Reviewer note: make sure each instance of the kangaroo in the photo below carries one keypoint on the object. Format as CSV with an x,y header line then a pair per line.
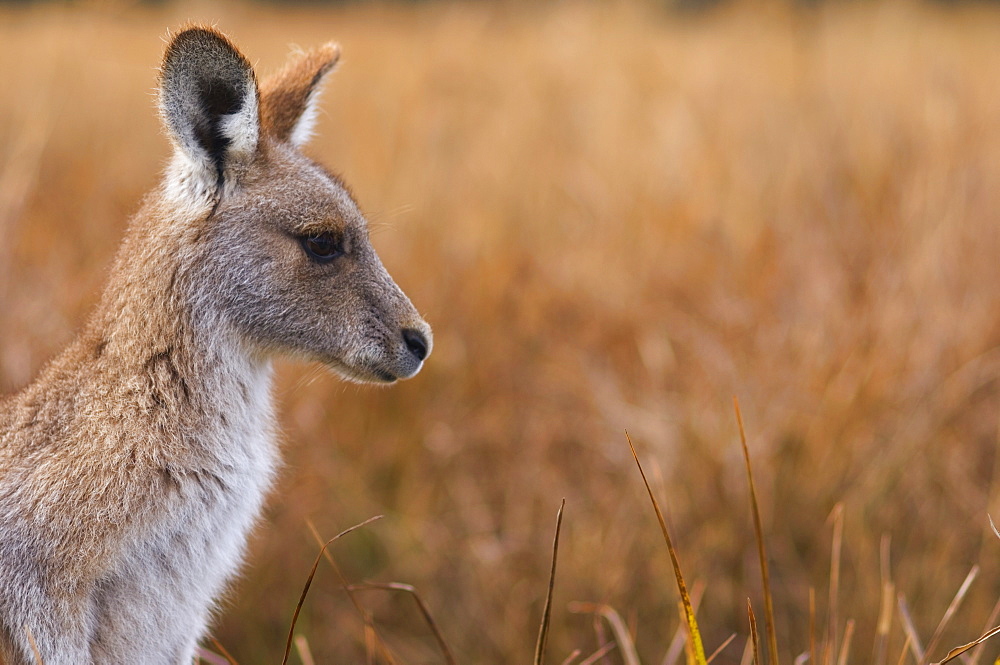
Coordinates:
x,y
133,468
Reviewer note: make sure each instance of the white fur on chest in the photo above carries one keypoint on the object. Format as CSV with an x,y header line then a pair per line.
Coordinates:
x,y
162,585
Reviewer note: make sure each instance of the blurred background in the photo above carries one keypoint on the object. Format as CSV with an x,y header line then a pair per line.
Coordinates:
x,y
616,215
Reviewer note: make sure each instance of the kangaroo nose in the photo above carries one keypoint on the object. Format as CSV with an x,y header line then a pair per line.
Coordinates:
x,y
415,342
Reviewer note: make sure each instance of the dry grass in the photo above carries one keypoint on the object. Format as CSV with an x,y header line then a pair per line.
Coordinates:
x,y
613,217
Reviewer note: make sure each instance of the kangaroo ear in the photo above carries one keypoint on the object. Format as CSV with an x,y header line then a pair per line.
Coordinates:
x,y
289,98
209,101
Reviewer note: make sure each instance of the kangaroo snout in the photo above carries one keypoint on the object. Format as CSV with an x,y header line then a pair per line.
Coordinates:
x,y
395,342
403,359
416,343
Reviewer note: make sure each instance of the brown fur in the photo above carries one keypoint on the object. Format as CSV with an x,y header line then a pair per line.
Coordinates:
x,y
292,88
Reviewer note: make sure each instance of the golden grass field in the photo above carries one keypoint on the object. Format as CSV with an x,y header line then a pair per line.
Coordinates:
x,y
615,217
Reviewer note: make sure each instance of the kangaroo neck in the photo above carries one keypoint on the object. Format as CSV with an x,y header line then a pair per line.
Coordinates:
x,y
176,364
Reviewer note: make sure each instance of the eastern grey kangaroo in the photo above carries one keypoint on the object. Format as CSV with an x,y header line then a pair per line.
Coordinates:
x,y
133,468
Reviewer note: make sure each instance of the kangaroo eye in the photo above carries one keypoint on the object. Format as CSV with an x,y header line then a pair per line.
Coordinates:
x,y
322,248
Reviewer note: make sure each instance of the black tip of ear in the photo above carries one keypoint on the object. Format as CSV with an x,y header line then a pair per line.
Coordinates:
x,y
203,78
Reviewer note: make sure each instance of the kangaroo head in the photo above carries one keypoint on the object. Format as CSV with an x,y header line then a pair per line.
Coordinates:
x,y
278,248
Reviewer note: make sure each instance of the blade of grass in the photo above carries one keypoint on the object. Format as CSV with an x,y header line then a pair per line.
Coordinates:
x,y
753,634
958,651
697,647
772,639
837,517
812,626
312,574
680,635
633,623
909,629
721,647
373,640
209,657
629,655
978,651
600,653
424,611
225,654
602,638
747,657
572,657
906,648
689,656
884,625
543,630
950,612
845,648
302,647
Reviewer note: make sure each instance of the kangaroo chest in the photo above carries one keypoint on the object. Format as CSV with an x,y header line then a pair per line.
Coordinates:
x,y
161,585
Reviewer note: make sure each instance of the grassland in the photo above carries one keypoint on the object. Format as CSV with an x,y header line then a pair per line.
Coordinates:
x,y
614,217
